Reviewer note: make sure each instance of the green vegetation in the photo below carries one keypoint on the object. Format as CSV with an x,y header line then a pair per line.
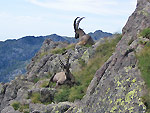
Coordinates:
x,y
21,107
144,66
62,94
70,46
16,105
84,77
36,79
61,50
82,62
145,33
58,50
43,54
35,98
44,84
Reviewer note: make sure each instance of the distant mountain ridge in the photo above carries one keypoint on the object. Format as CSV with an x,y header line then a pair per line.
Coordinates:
x,y
16,53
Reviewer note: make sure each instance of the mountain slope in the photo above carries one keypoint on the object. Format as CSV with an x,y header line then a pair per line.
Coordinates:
x,y
117,87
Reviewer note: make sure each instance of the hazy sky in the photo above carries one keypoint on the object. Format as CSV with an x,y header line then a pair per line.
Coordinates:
x,y
20,18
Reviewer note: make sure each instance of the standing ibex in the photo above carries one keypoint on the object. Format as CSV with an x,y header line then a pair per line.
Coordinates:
x,y
63,77
79,33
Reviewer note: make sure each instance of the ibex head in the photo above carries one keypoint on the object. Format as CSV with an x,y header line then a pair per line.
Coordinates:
x,y
78,31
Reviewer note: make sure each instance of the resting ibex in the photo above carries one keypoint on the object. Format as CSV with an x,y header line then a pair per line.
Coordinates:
x,y
63,77
79,33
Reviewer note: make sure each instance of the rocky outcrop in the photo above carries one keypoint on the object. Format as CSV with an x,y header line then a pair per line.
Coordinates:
x,y
19,92
46,62
117,86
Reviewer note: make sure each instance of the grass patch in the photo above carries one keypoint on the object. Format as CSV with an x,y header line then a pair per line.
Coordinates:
x,y
58,50
20,107
35,98
62,50
43,54
84,77
145,33
144,66
70,46
44,84
62,94
36,80
82,62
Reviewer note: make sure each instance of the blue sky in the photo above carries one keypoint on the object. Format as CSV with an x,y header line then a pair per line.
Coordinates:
x,y
20,18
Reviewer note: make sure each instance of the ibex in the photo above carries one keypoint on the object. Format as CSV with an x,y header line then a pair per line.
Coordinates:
x,y
79,33
63,77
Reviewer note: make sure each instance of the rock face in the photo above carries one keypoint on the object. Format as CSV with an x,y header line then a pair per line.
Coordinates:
x,y
117,85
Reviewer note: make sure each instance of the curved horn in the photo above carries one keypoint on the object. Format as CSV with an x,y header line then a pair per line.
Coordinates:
x,y
75,23
79,22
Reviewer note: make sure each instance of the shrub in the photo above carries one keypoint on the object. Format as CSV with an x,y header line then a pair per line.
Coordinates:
x,y
24,107
145,33
16,105
76,92
62,94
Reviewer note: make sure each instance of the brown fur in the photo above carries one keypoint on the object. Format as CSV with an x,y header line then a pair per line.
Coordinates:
x,y
79,33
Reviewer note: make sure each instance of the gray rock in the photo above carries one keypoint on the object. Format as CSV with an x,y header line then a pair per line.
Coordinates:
x,y
47,95
9,109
